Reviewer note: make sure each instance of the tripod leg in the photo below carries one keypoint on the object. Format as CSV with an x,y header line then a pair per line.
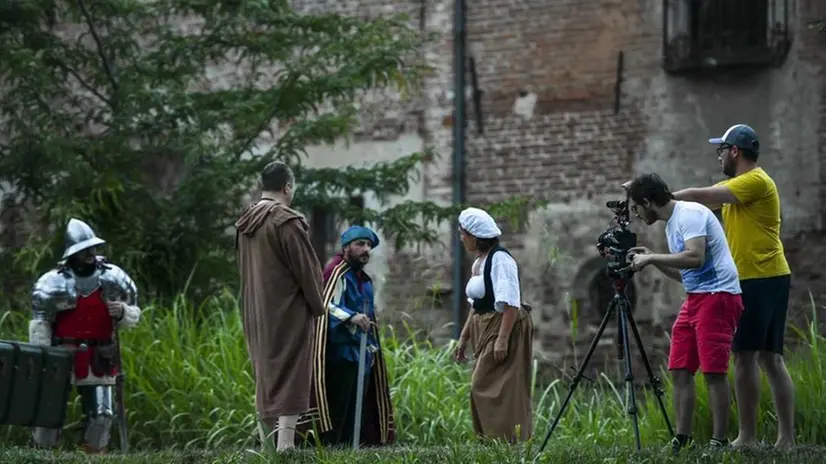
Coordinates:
x,y
620,341
653,379
631,397
578,375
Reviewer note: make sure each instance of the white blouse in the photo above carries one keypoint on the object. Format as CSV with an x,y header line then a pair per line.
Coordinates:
x,y
505,278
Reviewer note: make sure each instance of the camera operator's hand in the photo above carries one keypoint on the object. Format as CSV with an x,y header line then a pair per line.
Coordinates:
x,y
639,251
639,257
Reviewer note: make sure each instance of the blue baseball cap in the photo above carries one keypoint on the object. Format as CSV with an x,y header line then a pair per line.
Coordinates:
x,y
741,136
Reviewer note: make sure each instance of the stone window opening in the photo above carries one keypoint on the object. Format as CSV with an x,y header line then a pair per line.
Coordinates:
x,y
600,294
324,230
710,34
593,291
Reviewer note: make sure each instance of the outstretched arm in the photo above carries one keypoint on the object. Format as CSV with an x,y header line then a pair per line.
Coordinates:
x,y
741,189
713,197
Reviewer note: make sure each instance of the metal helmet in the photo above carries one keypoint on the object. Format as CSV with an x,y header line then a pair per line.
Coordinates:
x,y
79,236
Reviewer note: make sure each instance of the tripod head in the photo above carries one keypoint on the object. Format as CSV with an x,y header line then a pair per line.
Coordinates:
x,y
620,283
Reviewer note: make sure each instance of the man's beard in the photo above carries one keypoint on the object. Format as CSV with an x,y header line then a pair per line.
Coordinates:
x,y
729,169
82,268
355,262
649,216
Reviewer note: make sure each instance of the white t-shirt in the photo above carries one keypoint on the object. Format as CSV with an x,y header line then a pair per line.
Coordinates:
x,y
504,275
719,273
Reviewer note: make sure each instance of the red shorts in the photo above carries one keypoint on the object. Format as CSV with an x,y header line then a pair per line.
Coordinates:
x,y
702,334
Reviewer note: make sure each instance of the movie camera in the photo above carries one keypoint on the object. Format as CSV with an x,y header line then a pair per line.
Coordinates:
x,y
614,243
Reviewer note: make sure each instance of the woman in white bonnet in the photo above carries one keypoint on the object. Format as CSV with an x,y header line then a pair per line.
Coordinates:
x,y
500,331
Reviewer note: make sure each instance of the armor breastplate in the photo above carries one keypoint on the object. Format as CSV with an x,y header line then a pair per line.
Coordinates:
x,y
59,289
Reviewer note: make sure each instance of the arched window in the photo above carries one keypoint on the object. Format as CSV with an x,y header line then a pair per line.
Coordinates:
x,y
601,292
593,291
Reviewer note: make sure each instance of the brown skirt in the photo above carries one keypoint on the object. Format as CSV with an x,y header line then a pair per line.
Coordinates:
x,y
500,394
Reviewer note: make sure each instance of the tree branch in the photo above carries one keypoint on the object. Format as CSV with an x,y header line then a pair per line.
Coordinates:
x,y
82,82
267,121
107,66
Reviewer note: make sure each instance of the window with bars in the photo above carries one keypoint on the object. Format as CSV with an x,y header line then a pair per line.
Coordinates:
x,y
703,34
326,227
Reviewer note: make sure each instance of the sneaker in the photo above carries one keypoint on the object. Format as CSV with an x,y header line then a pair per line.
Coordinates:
x,y
716,446
679,442
714,443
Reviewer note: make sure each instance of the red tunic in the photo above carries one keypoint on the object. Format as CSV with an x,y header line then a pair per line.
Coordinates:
x,y
90,320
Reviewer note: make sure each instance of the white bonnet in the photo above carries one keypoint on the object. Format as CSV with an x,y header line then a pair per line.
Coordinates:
x,y
479,223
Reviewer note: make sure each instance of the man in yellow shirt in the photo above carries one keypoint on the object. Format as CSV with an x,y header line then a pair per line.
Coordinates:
x,y
751,218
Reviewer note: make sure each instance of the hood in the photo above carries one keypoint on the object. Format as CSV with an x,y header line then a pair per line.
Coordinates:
x,y
266,210
328,269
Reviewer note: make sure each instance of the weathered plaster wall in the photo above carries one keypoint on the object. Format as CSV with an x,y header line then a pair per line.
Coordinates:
x,y
548,74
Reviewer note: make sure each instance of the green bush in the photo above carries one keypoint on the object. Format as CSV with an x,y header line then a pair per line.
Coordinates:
x,y
189,387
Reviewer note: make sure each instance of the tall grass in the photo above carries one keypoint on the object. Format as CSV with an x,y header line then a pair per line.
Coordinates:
x,y
189,386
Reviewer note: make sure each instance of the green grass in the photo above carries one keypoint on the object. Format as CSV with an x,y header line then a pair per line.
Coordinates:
x,y
189,393
494,454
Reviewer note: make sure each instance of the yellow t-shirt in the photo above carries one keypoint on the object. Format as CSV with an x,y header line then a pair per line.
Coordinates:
x,y
753,226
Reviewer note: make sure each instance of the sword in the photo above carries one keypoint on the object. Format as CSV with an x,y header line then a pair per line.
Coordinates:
x,y
360,391
121,413
360,386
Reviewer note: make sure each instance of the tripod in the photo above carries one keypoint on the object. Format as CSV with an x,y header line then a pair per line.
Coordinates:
x,y
619,304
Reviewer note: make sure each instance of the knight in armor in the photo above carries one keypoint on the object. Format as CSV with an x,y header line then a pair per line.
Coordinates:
x,y
80,305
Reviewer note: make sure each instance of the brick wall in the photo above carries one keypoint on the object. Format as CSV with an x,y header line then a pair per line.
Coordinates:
x,y
555,156
559,60
548,72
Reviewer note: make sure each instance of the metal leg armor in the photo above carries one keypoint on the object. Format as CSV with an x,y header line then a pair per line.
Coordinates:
x,y
46,438
99,413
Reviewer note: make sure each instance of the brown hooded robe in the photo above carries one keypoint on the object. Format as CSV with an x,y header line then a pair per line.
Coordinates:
x,y
281,297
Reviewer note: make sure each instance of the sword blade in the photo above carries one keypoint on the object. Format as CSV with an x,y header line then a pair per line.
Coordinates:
x,y
360,391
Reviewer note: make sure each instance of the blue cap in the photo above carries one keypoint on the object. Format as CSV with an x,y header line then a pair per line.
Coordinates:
x,y
359,233
741,136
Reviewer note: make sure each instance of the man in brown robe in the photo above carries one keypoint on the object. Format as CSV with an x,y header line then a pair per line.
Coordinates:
x,y
281,288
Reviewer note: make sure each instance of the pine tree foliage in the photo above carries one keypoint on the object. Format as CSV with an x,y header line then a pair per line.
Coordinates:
x,y
108,115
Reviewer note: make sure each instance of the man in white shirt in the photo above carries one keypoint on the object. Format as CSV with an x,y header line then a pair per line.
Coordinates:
x,y
702,335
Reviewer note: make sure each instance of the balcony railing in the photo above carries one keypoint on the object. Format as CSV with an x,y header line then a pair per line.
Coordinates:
x,y
701,34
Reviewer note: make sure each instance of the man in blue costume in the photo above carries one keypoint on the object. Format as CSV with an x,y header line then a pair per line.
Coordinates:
x,y
348,297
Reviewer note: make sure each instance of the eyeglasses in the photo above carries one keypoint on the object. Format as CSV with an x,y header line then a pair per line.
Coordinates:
x,y
722,148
